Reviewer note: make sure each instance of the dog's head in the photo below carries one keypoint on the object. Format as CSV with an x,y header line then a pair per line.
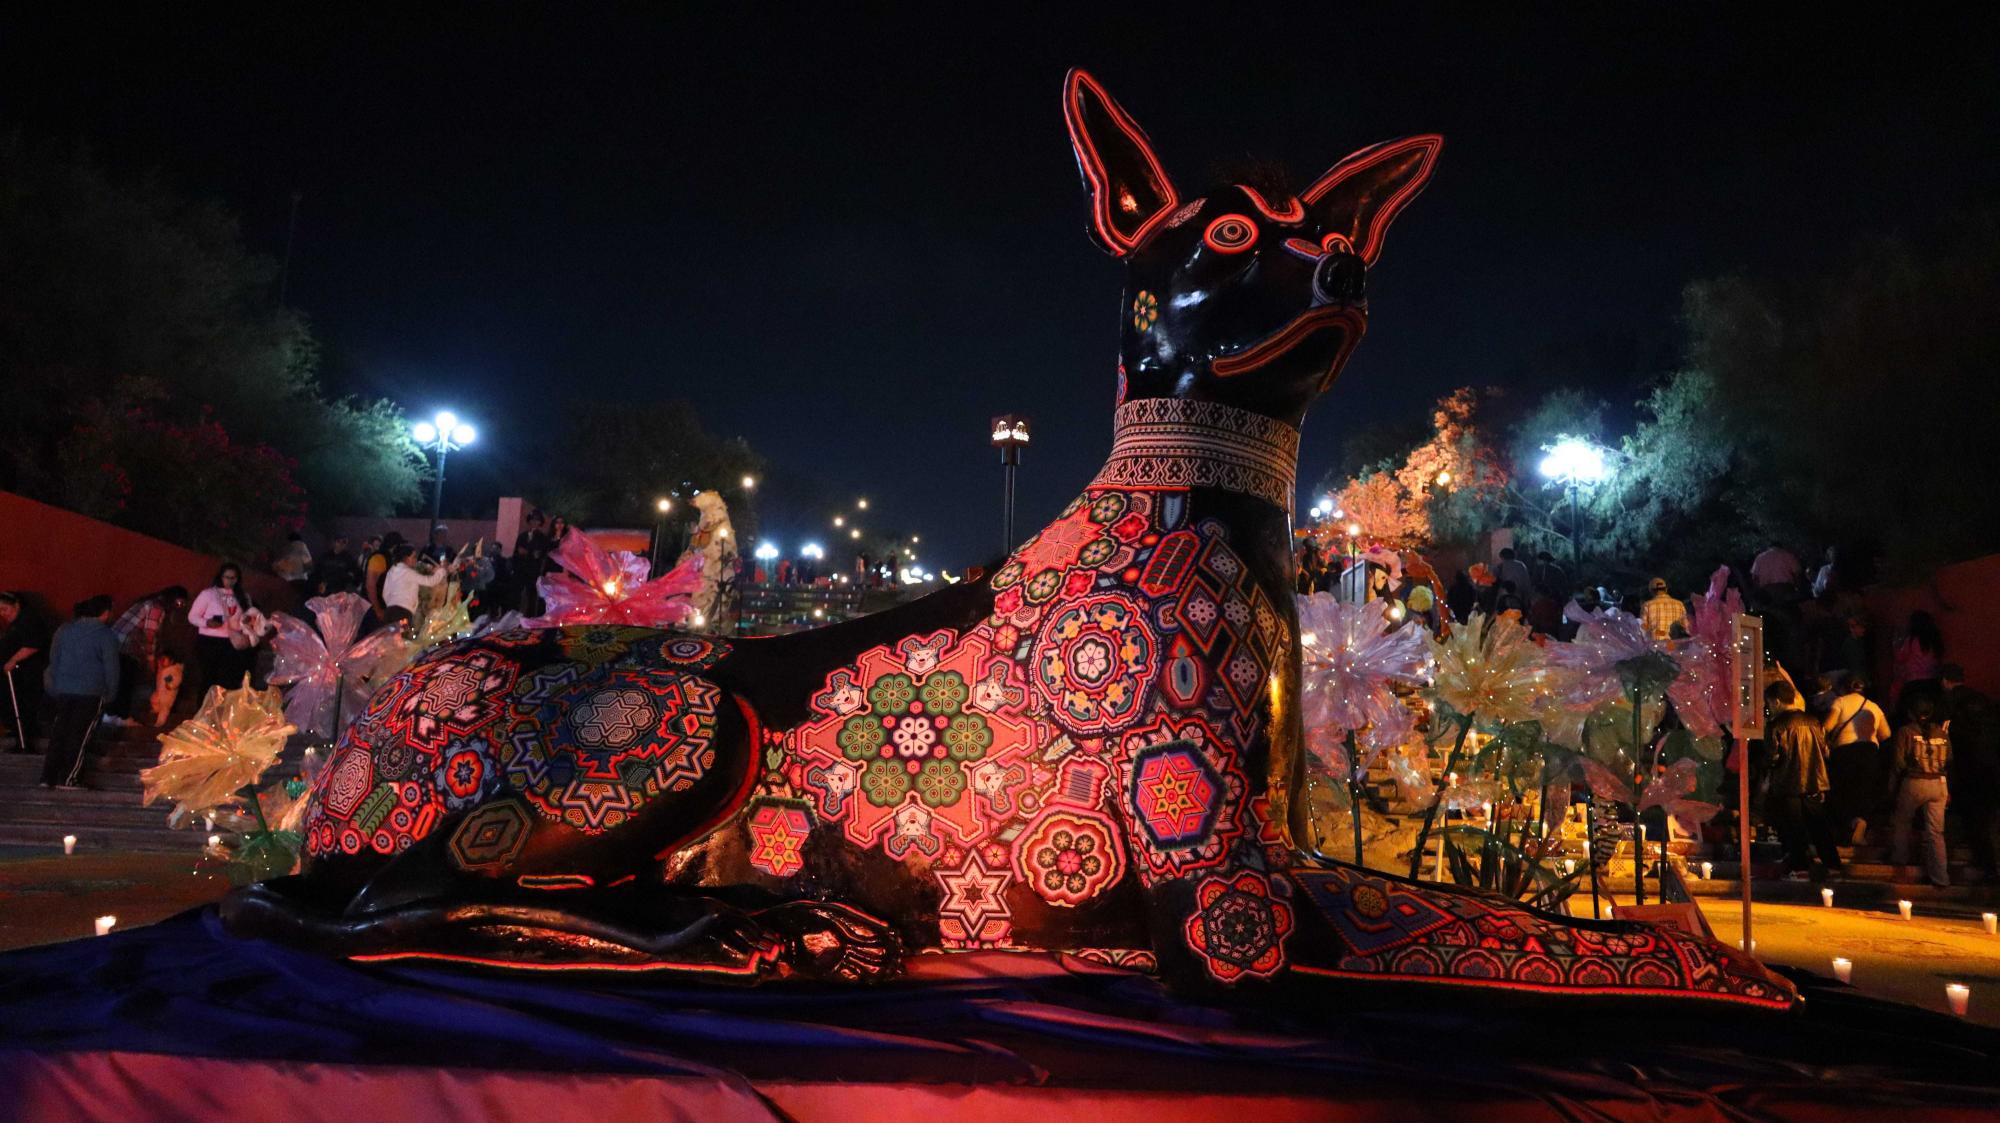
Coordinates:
x,y
1231,296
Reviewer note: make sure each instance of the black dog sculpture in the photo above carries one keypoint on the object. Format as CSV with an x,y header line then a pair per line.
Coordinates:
x,y
1094,751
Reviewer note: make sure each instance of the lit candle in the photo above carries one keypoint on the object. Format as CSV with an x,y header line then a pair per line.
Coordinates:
x,y
215,840
1707,870
1843,969
69,847
1958,994
208,822
1826,897
1903,907
1753,946
1991,921
105,924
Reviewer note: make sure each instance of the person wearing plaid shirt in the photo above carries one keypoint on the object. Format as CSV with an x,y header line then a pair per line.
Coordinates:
x,y
1662,613
138,633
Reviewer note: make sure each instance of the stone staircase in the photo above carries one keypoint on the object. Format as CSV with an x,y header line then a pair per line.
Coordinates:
x,y
110,816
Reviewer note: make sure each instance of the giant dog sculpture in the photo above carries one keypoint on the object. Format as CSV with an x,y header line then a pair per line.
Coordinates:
x,y
1096,751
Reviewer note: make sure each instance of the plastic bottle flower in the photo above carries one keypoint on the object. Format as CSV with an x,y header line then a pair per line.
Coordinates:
x,y
316,665
207,760
1608,647
611,588
1488,669
1351,658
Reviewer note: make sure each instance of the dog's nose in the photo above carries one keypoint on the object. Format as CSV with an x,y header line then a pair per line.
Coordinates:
x,y
1339,278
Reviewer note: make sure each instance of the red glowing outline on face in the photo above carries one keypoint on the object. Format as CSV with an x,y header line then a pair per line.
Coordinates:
x,y
1101,192
1219,245
1271,347
1296,212
1376,221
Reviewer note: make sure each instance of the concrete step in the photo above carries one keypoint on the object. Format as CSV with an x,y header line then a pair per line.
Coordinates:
x,y
154,840
1876,895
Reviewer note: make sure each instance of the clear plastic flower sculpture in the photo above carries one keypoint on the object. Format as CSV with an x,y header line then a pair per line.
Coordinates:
x,y
1701,693
1488,669
1605,640
1351,657
207,760
611,588
449,620
316,664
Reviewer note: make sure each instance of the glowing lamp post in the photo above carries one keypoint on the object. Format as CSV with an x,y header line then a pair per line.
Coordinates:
x,y
1573,462
443,434
1010,436
664,506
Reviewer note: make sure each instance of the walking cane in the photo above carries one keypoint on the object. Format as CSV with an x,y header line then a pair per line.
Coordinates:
x,y
14,697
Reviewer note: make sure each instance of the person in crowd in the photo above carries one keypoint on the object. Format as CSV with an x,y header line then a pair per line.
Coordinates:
x,y
1798,783
1922,762
1461,597
1916,656
1974,728
558,530
138,631
1826,579
406,580
336,571
293,565
83,679
1857,736
485,580
217,615
1309,567
438,549
24,648
1776,572
1512,568
1664,615
1548,576
377,569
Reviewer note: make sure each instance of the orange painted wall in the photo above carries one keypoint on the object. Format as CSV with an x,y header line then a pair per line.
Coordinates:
x,y
64,557
1965,598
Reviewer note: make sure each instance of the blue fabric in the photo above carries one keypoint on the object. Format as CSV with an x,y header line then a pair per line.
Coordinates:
x,y
83,660
186,987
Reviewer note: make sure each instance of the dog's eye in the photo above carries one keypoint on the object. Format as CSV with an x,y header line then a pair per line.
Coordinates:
x,y
1232,233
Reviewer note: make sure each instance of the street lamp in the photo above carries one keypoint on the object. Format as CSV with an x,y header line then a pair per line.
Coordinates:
x,y
862,503
749,483
1573,462
443,434
766,551
840,520
1010,436
664,506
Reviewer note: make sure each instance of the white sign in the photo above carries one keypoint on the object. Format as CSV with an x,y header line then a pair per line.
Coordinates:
x,y
1746,659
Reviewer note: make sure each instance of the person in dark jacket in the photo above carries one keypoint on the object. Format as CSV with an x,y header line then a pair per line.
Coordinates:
x,y
83,679
1922,761
1799,784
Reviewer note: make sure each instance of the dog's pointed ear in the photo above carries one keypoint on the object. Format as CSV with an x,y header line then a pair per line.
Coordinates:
x,y
1358,197
1129,191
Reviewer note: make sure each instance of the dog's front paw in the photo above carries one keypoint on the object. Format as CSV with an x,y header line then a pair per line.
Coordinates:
x,y
833,942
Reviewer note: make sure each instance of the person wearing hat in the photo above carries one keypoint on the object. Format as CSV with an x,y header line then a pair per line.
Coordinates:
x,y
1662,614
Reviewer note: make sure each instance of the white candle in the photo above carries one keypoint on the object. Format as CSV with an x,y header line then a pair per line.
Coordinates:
x,y
1826,897
215,840
1903,907
208,822
1707,870
104,925
1991,921
1753,946
1843,969
69,844
1958,994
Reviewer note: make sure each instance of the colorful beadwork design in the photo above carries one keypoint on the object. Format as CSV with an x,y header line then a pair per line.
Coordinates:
x,y
589,746
1070,856
491,836
778,833
1145,310
1238,927
1094,663
1389,929
974,911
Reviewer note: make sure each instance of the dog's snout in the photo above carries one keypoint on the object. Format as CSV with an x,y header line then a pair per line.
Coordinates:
x,y
1340,277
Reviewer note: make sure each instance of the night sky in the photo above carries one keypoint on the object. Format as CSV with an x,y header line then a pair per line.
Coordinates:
x,y
854,241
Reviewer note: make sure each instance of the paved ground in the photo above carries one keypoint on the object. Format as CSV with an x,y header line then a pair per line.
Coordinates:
x,y
46,897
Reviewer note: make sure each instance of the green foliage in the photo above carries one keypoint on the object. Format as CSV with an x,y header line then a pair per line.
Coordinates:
x,y
123,304
611,461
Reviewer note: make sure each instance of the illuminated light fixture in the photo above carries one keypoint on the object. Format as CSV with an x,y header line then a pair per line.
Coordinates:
x,y
1307,639
1444,479
699,619
1316,511
862,503
1397,611
442,434
855,533
840,520
722,532
812,550
914,540
611,587
820,613
1353,530
766,551
749,483
665,505
1010,429
1575,460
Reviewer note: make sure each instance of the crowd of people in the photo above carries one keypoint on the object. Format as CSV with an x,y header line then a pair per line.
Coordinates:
x,y
1847,759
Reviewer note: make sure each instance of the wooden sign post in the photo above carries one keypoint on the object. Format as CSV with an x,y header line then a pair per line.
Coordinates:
x,y
1746,721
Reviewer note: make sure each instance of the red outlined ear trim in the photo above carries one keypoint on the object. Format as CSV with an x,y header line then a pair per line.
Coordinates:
x,y
1368,228
1294,213
1105,196
1232,233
